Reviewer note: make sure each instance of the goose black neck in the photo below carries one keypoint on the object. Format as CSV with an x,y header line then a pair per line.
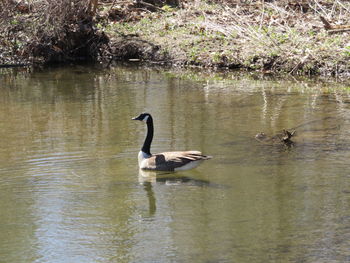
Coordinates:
x,y
146,148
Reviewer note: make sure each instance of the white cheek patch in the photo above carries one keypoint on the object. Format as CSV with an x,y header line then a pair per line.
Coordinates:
x,y
145,118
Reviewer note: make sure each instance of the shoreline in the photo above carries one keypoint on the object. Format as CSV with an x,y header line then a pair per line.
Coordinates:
x,y
269,37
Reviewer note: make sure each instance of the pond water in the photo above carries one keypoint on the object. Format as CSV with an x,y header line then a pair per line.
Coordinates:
x,y
71,191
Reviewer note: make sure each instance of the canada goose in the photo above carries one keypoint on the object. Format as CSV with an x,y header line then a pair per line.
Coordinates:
x,y
166,161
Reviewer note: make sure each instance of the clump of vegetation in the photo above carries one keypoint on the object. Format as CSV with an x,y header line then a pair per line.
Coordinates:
x,y
49,31
66,33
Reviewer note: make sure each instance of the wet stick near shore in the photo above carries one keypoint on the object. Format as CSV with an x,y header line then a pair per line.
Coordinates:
x,y
285,36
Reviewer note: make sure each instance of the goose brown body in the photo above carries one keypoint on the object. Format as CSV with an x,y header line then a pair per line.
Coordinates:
x,y
166,161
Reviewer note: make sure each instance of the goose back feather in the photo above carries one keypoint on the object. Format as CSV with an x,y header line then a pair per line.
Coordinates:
x,y
173,161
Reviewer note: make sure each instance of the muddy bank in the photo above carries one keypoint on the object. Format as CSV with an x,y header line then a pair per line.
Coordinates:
x,y
288,36
135,49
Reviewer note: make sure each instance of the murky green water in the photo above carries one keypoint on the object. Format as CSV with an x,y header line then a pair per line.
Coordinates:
x,y
70,189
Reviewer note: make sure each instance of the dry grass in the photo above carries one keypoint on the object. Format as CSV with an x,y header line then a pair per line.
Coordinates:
x,y
270,36
48,32
284,36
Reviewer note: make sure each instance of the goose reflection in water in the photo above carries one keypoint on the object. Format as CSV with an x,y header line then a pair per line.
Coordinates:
x,y
170,178
150,178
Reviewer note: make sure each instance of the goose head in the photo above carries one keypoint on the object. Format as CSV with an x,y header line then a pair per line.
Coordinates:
x,y
142,117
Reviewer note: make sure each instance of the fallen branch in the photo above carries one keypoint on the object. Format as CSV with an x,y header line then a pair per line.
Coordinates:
x,y
149,5
333,29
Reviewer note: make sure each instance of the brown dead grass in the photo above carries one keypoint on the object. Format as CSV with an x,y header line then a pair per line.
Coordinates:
x,y
48,32
271,36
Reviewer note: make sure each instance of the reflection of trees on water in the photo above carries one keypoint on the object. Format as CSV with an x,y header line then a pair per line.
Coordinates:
x,y
315,102
320,119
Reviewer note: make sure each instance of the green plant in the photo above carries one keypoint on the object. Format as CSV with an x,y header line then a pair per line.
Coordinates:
x,y
347,51
14,22
168,8
216,57
194,53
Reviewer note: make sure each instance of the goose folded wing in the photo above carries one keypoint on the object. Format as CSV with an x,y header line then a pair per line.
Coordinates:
x,y
172,160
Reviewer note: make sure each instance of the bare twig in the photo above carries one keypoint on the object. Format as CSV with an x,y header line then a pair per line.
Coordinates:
x,y
340,30
326,24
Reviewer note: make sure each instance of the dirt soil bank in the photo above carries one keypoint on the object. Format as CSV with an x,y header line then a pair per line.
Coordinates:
x,y
296,37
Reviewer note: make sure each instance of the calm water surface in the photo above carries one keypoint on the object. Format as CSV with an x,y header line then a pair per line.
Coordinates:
x,y
70,189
